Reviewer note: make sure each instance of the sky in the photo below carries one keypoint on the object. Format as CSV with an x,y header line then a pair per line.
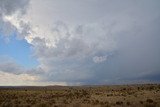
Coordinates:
x,y
79,42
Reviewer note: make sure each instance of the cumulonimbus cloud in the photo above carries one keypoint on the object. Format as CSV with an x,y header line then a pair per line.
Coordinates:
x,y
94,41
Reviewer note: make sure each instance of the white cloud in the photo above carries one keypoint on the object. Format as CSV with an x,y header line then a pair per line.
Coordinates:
x,y
99,59
10,14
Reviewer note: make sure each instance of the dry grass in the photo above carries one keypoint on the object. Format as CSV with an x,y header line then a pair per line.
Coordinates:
x,y
86,96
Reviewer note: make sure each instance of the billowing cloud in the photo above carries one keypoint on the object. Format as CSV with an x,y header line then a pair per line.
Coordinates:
x,y
91,41
11,12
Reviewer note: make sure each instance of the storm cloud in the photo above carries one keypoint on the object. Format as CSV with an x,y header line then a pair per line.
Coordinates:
x,y
90,41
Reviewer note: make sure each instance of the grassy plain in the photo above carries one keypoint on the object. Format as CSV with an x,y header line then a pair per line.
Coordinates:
x,y
147,95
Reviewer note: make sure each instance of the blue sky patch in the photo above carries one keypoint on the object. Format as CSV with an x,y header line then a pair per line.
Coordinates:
x,y
19,50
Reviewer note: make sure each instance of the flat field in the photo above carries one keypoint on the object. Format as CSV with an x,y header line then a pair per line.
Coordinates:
x,y
146,95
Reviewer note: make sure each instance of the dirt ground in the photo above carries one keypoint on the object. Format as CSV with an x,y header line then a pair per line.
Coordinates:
x,y
147,95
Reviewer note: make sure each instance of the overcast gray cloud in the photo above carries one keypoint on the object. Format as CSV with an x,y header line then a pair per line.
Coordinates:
x,y
9,7
93,41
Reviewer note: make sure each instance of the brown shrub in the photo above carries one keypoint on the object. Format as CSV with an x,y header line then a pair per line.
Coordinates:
x,y
128,103
119,102
141,102
149,100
